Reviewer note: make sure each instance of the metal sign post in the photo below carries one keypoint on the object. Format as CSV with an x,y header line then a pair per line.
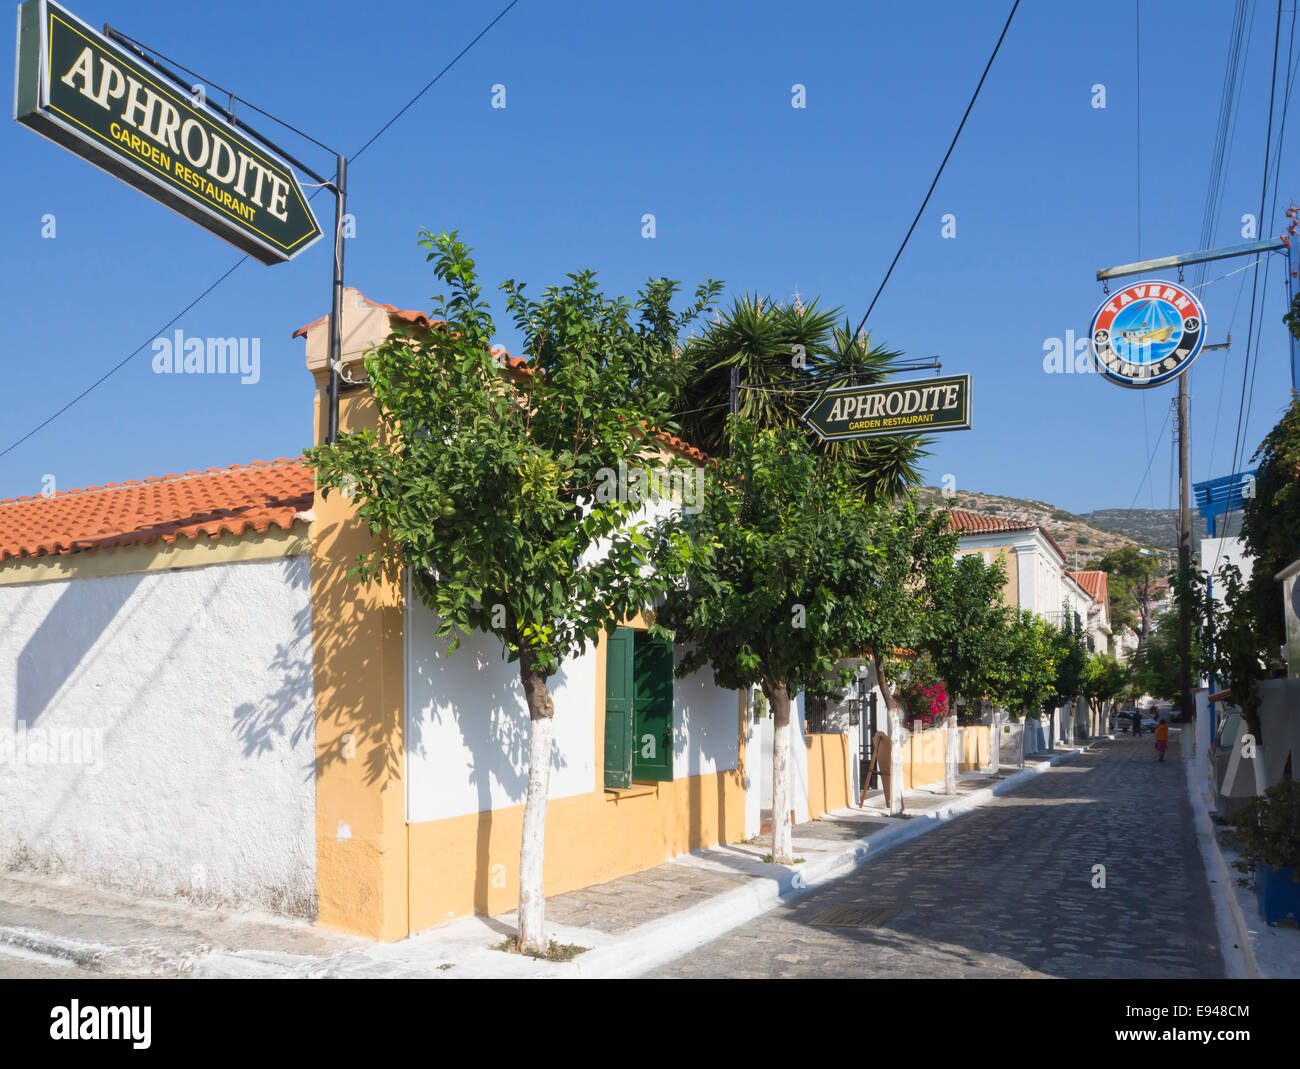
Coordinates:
x,y
1143,362
336,303
102,98
101,102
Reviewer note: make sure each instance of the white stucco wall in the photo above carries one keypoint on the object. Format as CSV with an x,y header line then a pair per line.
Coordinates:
x,y
1217,552
467,720
467,725
157,732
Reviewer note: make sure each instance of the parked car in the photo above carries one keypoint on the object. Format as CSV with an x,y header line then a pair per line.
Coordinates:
x,y
1123,721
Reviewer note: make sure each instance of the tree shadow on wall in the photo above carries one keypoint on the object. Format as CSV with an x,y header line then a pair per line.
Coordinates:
x,y
491,718
288,710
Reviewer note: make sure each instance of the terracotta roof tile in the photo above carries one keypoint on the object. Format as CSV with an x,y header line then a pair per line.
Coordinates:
x,y
679,444
162,508
1094,583
975,523
418,319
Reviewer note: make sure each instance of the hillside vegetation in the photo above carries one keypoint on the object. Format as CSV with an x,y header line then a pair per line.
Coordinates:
x,y
1084,538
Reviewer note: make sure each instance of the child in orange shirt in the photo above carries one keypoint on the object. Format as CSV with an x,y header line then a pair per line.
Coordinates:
x,y
1162,737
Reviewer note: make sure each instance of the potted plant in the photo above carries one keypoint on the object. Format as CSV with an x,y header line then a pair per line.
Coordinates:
x,y
1267,832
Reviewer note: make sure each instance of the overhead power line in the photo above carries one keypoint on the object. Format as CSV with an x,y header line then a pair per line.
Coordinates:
x,y
974,96
238,263
1238,440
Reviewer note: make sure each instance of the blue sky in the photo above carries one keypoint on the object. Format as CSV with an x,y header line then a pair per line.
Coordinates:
x,y
683,110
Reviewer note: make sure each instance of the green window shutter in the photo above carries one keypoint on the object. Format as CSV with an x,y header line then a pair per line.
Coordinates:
x,y
618,708
652,709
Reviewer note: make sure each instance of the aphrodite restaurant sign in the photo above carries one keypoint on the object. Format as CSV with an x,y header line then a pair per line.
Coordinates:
x,y
1147,333
844,412
92,97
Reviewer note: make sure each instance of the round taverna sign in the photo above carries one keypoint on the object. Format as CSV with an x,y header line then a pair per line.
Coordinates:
x,y
1147,333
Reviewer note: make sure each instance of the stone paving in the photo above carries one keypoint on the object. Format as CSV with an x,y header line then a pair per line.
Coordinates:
x,y
1007,891
619,905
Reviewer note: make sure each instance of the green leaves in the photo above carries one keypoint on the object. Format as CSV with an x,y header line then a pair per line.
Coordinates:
x,y
771,343
784,592
1104,678
481,482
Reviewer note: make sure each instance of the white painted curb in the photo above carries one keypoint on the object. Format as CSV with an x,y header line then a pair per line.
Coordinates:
x,y
1234,933
132,960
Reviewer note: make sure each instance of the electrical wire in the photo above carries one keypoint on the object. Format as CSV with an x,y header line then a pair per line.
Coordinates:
x,y
1223,376
1150,461
126,359
238,263
407,106
960,126
1237,438
1225,133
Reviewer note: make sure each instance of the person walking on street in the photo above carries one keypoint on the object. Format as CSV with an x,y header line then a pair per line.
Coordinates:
x,y
1162,737
1137,721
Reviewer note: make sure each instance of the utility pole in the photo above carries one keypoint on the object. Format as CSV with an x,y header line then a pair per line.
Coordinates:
x,y
1290,246
1184,556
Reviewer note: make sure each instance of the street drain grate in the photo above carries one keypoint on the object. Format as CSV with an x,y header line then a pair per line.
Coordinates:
x,y
854,916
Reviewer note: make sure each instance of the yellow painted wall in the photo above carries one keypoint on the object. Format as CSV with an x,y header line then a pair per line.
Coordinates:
x,y
160,556
829,784
380,877
925,752
973,748
923,756
470,863
361,843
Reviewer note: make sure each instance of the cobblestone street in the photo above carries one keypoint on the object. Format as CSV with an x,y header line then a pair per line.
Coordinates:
x,y
1007,891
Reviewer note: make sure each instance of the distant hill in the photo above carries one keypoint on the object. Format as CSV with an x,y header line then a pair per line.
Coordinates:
x,y
1083,538
1157,528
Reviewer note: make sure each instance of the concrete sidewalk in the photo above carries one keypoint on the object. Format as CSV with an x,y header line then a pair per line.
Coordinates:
x,y
628,925
58,922
1252,949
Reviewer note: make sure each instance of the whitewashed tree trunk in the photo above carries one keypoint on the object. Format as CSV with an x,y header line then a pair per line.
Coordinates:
x,y
995,740
950,738
782,848
896,762
532,896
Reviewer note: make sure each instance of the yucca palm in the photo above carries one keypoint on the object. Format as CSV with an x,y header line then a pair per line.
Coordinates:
x,y
771,342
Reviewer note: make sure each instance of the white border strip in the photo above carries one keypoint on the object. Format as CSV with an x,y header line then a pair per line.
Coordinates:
x,y
1234,935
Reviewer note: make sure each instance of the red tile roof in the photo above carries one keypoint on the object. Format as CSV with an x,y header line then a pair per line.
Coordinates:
x,y
214,502
681,445
417,319
975,523
1093,583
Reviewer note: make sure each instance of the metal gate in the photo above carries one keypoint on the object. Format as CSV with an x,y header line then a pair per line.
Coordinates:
x,y
866,736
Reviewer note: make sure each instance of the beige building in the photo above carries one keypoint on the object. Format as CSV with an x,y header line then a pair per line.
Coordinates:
x,y
1037,578
1101,636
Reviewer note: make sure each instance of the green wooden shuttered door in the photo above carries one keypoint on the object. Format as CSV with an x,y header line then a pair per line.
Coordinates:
x,y
618,708
652,719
